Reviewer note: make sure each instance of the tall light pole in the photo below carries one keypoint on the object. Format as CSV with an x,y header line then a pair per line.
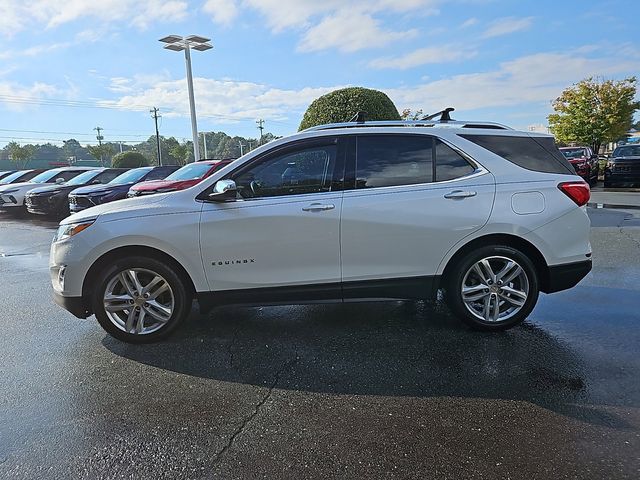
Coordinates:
x,y
178,43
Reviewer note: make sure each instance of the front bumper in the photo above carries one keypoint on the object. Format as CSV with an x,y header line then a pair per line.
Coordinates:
x,y
75,305
563,277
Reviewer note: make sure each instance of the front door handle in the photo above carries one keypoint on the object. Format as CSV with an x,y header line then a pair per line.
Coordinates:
x,y
460,194
318,207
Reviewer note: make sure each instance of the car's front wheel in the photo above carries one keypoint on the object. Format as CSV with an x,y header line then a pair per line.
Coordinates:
x,y
492,288
140,300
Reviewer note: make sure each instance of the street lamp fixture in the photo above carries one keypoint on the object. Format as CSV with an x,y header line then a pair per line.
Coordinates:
x,y
178,43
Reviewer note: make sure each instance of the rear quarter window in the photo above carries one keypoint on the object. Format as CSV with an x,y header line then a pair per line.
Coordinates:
x,y
539,154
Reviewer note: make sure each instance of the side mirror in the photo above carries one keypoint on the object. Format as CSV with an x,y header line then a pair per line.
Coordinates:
x,y
223,191
59,181
96,182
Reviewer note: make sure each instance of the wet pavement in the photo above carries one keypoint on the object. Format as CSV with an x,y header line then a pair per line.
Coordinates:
x,y
372,390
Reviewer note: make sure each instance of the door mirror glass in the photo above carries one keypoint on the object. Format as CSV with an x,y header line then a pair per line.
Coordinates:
x,y
223,191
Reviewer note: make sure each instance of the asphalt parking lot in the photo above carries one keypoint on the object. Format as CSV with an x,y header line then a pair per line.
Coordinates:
x,y
373,390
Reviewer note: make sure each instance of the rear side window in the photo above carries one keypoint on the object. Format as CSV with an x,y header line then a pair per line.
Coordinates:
x,y
158,174
68,175
106,177
391,160
533,153
450,164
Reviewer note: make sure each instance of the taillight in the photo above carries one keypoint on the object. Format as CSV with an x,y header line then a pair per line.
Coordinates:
x,y
579,192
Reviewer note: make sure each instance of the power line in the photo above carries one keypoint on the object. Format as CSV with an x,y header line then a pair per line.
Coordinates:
x,y
53,102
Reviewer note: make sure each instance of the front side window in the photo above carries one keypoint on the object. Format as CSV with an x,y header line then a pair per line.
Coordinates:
x,y
308,170
393,160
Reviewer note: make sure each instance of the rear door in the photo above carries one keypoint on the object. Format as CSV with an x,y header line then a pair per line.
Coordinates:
x,y
411,198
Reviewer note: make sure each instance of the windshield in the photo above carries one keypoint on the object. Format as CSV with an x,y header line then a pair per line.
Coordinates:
x,y
12,177
572,153
44,177
83,178
627,151
192,171
132,176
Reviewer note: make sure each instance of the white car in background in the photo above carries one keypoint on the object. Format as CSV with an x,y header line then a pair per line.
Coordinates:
x,y
343,212
12,195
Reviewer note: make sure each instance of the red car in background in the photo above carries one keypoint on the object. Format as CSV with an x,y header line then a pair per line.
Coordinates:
x,y
584,161
184,177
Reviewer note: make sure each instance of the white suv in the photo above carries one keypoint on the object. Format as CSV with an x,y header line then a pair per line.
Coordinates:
x,y
354,211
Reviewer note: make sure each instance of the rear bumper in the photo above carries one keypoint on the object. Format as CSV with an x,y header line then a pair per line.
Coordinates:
x,y
74,305
563,277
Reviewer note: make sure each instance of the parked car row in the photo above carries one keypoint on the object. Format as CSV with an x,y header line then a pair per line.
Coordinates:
x,y
60,191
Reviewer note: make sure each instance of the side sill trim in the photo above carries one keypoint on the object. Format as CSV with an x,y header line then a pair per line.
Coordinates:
x,y
424,287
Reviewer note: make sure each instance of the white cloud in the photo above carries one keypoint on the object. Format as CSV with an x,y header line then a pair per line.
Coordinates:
x,y
423,56
531,79
223,12
469,23
16,15
346,26
18,97
339,31
507,25
224,100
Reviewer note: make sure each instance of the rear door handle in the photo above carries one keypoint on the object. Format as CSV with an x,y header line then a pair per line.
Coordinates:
x,y
460,194
318,207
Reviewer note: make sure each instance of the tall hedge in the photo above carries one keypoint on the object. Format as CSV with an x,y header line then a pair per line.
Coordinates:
x,y
129,159
341,105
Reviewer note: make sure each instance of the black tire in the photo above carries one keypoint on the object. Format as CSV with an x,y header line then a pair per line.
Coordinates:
x,y
456,276
182,298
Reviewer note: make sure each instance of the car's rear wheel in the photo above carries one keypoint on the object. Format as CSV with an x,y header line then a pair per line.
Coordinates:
x,y
492,288
140,300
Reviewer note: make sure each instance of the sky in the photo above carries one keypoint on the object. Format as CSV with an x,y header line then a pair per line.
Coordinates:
x,y
67,66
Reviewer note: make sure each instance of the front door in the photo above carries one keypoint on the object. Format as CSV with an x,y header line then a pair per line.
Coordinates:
x,y
284,228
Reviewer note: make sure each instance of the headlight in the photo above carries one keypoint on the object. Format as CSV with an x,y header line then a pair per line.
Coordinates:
x,y
68,231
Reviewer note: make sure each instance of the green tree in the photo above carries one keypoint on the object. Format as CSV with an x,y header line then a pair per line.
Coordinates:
x,y
129,159
19,154
102,153
594,112
341,105
182,152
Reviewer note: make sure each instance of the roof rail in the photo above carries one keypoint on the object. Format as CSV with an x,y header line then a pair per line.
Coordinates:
x,y
411,124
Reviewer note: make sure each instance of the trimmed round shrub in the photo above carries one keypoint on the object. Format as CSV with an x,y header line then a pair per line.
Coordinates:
x,y
341,105
129,160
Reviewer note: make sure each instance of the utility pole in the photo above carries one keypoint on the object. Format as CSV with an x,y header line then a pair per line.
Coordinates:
x,y
204,142
241,146
154,114
260,124
100,138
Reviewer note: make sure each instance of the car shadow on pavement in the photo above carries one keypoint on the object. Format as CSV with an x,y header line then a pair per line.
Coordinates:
x,y
382,348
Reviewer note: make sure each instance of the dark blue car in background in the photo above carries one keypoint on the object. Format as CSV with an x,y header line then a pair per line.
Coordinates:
x,y
116,189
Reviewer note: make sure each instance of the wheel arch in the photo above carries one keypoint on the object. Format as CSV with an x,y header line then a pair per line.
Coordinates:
x,y
128,251
526,247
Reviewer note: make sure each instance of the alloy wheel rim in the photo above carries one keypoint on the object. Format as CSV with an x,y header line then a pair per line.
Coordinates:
x,y
138,301
495,289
